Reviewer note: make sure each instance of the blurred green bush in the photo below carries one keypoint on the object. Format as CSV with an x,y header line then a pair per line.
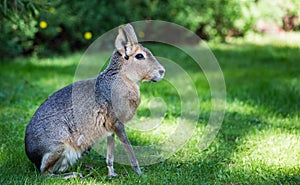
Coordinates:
x,y
47,27
18,26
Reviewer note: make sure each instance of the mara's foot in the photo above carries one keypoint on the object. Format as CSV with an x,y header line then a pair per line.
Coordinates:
x,y
112,174
70,175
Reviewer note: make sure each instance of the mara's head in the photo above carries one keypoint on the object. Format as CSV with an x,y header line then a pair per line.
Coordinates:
x,y
138,63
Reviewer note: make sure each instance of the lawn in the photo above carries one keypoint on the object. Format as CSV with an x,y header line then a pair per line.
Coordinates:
x,y
258,142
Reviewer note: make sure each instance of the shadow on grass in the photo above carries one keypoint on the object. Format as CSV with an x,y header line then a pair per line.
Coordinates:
x,y
267,76
20,81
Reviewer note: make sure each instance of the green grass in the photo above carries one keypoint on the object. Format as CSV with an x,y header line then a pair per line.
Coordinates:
x,y
258,143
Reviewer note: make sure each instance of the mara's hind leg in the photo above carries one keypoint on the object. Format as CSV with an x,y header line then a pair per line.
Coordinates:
x,y
50,160
56,162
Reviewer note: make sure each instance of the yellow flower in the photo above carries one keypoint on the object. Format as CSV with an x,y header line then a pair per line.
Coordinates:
x,y
43,24
51,9
88,35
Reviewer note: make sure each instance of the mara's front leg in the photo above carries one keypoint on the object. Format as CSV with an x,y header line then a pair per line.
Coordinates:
x,y
120,131
110,155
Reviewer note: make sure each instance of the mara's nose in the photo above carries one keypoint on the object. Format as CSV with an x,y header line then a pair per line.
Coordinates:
x,y
161,72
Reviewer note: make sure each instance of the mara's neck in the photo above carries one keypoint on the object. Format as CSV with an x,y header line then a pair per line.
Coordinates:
x,y
114,65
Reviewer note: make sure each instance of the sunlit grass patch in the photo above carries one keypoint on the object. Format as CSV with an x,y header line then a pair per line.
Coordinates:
x,y
268,156
151,135
272,148
290,39
241,107
287,123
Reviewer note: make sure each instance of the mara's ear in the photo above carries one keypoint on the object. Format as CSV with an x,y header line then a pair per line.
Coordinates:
x,y
126,40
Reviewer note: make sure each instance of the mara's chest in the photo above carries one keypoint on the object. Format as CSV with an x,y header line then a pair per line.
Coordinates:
x,y
125,102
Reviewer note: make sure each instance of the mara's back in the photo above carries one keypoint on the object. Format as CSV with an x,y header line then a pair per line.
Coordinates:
x,y
70,116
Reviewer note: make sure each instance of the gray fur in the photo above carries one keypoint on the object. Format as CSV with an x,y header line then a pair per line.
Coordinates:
x,y
74,118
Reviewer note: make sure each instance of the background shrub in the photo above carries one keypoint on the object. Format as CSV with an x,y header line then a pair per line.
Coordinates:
x,y
18,26
45,28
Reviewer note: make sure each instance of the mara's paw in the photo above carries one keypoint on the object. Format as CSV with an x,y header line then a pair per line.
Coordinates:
x,y
112,174
137,170
72,175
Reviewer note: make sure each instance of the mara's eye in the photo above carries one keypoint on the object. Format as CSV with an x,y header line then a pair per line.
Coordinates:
x,y
139,56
